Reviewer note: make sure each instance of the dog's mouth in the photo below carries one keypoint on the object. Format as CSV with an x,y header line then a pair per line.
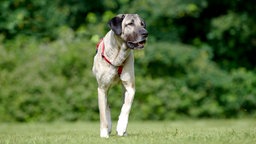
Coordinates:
x,y
137,44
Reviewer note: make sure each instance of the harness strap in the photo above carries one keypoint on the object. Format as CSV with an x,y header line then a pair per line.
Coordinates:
x,y
120,68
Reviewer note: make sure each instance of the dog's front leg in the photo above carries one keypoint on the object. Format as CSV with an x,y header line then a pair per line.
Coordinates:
x,y
105,118
124,115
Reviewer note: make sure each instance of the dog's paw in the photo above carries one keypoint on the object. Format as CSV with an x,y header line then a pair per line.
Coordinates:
x,y
104,133
121,130
121,126
121,133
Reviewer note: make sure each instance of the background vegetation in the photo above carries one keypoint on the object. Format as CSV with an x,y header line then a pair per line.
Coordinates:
x,y
199,60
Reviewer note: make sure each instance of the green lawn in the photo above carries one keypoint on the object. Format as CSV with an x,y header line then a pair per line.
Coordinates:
x,y
171,132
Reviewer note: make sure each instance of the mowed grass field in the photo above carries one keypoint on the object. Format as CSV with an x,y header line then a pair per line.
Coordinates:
x,y
241,131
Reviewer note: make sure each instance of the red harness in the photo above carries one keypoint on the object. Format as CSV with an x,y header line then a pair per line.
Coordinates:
x,y
120,68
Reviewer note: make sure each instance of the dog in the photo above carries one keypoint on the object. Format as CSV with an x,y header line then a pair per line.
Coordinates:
x,y
113,62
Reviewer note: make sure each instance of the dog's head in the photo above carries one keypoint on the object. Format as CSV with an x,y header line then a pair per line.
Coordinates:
x,y
131,28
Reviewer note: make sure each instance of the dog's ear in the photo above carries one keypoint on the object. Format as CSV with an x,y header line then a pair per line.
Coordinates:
x,y
116,24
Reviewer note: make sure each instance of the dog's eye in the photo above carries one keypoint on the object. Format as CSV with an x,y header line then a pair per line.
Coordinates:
x,y
143,24
130,24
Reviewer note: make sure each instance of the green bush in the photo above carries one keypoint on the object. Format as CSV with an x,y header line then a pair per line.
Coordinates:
x,y
48,81
180,80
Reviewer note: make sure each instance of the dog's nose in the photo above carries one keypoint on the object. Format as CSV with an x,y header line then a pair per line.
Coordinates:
x,y
144,32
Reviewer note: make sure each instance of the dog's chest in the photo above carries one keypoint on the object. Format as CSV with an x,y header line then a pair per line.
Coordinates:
x,y
112,53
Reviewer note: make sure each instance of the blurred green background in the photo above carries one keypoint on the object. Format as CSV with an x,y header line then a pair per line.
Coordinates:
x,y
199,61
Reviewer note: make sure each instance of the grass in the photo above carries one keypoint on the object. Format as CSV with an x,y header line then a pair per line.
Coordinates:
x,y
174,132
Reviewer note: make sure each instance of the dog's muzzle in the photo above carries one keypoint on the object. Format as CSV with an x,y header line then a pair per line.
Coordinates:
x,y
139,44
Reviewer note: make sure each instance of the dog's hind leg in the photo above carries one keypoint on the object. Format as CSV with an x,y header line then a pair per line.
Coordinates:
x,y
124,115
104,113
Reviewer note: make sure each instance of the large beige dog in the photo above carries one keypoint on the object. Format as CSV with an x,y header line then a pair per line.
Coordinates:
x,y
113,62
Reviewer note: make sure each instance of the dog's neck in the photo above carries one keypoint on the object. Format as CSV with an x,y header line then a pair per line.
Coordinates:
x,y
116,49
